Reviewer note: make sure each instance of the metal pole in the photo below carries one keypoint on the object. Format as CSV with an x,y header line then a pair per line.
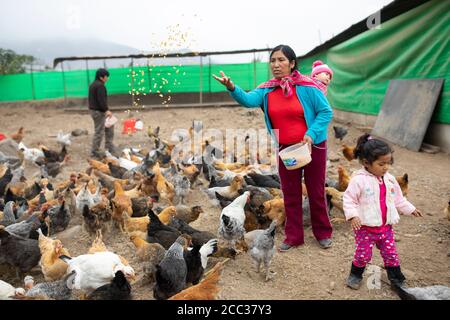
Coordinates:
x,y
64,83
132,82
33,94
254,69
201,79
104,63
209,75
149,76
87,73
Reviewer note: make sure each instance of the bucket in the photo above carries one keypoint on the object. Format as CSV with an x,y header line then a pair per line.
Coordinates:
x,y
295,156
129,126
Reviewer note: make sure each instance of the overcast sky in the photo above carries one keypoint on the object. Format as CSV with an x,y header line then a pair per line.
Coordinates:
x,y
198,25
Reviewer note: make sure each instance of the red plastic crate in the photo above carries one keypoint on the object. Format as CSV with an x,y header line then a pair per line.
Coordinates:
x,y
129,126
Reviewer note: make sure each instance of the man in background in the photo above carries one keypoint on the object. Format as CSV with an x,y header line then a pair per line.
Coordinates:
x,y
98,107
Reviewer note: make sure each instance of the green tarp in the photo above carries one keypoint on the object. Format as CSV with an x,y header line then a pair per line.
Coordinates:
x,y
414,45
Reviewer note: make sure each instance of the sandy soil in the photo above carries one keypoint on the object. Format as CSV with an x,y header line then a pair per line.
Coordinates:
x,y
307,272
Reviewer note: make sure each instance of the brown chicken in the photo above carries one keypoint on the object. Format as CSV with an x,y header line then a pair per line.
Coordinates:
x,y
135,159
336,198
165,189
187,214
251,221
52,267
274,209
148,186
48,194
100,166
348,152
276,193
344,179
18,136
167,214
191,172
136,192
98,245
230,166
207,289
135,224
121,202
147,251
403,182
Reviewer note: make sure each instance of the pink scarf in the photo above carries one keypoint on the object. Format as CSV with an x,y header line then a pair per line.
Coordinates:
x,y
296,78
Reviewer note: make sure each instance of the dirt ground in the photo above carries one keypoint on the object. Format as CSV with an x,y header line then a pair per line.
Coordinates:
x,y
307,272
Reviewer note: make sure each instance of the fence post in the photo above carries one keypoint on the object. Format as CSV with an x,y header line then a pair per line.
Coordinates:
x,y
33,94
254,69
209,75
149,77
201,79
64,83
132,82
87,73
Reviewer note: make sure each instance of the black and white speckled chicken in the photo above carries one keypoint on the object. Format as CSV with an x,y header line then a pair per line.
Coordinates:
x,y
262,247
56,290
438,292
232,220
182,186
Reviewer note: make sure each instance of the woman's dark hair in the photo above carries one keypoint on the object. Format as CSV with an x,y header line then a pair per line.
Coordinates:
x,y
101,73
368,148
288,52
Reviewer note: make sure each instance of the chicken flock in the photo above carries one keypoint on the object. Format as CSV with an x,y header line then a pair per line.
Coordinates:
x,y
142,195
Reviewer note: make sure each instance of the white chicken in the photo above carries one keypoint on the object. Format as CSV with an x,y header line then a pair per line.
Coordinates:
x,y
127,164
232,220
31,154
95,270
84,197
7,291
63,139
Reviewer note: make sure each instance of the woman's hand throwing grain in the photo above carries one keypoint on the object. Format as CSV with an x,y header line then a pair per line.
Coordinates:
x,y
226,81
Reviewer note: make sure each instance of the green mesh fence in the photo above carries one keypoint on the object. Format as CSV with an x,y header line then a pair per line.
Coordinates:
x,y
147,80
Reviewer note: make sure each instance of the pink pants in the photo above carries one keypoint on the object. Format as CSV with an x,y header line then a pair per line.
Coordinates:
x,y
365,239
291,185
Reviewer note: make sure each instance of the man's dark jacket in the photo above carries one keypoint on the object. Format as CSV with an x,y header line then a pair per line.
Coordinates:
x,y
98,96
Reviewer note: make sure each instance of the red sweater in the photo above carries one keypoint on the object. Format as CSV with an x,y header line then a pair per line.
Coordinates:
x,y
286,115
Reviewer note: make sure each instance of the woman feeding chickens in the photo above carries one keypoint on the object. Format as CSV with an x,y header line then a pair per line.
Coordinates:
x,y
295,110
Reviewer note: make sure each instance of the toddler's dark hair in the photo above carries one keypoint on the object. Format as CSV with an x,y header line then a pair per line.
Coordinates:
x,y
368,148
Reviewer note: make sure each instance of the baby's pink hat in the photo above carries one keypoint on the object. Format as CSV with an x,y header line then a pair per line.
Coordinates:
x,y
319,66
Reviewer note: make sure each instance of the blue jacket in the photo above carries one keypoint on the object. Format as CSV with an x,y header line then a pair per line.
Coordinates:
x,y
317,110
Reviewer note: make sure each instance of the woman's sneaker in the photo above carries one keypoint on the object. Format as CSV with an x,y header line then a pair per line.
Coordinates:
x,y
325,243
284,247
